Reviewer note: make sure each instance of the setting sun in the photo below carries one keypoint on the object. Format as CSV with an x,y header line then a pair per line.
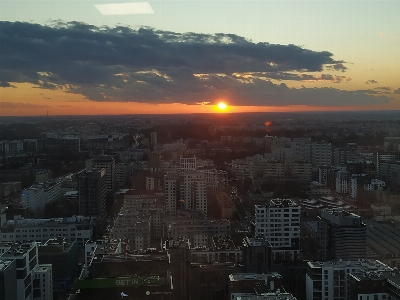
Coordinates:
x,y
222,105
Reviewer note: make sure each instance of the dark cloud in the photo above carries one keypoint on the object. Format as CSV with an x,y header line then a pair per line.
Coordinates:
x,y
148,65
6,84
371,81
337,67
292,76
383,88
397,91
18,105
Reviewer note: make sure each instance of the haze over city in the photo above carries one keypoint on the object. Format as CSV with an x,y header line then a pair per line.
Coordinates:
x,y
164,57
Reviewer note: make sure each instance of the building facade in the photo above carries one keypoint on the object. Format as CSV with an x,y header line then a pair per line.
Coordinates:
x,y
278,221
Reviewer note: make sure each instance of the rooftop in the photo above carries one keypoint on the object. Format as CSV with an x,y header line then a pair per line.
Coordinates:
x,y
362,264
253,276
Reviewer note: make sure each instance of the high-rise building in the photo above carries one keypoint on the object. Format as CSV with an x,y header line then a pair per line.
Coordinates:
x,y
278,221
153,138
121,175
185,190
341,235
92,193
106,162
193,190
172,193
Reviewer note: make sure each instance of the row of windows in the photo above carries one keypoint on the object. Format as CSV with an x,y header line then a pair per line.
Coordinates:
x,y
44,230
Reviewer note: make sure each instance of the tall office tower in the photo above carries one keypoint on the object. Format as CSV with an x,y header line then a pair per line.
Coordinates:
x,y
153,138
188,163
341,235
172,193
122,171
92,193
106,162
278,221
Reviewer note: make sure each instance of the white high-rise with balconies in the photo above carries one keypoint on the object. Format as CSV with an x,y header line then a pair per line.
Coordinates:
x,y
278,221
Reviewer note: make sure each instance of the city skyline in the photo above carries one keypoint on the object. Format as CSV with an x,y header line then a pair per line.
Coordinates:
x,y
72,58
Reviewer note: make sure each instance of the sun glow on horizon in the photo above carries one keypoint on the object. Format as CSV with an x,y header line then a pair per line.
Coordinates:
x,y
222,106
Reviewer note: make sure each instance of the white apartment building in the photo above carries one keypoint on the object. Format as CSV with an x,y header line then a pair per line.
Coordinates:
x,y
279,222
188,163
79,229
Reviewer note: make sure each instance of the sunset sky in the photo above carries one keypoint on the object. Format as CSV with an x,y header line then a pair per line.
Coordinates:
x,y
129,57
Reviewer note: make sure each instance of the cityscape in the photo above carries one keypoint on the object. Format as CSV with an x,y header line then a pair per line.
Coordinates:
x,y
199,150
203,206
